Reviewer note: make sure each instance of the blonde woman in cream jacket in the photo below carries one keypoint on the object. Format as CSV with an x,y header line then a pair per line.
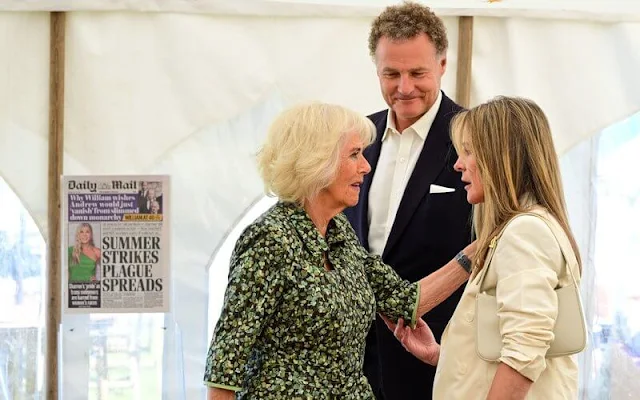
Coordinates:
x,y
507,158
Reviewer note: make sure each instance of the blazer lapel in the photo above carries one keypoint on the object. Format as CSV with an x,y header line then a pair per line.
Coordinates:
x,y
430,162
372,154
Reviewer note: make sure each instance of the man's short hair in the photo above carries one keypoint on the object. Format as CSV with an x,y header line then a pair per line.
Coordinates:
x,y
406,21
301,154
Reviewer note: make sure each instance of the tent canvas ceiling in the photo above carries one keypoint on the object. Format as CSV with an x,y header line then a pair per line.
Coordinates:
x,y
602,10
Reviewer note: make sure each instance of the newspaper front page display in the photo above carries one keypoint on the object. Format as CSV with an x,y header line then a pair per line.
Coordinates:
x,y
115,234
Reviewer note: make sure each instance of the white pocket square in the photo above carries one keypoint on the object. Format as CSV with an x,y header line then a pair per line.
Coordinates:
x,y
440,189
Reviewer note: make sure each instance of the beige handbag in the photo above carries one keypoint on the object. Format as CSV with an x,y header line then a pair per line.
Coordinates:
x,y
570,332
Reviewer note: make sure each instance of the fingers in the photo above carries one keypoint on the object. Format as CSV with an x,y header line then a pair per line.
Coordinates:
x,y
405,343
402,332
399,331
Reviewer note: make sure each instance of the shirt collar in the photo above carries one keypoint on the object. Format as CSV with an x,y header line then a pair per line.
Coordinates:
x,y
311,237
422,126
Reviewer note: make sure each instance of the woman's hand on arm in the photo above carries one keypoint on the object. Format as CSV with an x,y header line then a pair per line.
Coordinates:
x,y
399,298
438,286
419,341
220,394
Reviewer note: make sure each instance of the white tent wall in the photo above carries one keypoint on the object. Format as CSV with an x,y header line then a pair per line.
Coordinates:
x,y
191,95
584,75
24,82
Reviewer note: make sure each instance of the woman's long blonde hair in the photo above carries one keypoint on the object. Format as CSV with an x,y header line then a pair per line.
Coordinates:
x,y
77,248
517,162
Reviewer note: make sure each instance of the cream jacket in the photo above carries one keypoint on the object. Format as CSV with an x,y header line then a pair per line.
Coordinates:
x,y
526,268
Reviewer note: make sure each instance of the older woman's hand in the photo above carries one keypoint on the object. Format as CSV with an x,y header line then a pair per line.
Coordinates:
x,y
419,341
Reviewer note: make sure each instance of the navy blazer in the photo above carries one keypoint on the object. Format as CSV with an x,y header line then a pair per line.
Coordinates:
x,y
429,229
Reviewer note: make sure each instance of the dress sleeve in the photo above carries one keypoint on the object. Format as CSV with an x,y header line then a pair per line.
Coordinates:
x,y
395,297
254,289
527,263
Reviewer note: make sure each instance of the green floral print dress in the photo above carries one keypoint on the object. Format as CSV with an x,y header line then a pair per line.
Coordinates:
x,y
291,329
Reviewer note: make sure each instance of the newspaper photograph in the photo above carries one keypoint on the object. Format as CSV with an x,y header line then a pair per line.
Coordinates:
x,y
115,235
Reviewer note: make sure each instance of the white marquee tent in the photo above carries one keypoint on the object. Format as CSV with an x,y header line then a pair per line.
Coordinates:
x,y
187,88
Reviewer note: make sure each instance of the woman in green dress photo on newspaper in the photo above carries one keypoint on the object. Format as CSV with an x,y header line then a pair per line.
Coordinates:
x,y
84,256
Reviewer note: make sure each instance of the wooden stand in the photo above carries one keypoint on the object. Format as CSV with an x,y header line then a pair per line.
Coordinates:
x,y
465,48
56,151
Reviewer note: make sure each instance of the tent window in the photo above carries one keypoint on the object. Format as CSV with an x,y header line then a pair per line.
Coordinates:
x,y
125,357
22,285
219,269
615,357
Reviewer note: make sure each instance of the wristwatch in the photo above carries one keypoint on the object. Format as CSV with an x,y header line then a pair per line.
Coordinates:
x,y
464,261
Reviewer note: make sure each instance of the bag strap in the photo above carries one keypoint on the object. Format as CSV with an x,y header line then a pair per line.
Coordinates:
x,y
492,249
563,248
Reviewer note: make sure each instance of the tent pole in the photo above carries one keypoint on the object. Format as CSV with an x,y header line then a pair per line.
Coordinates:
x,y
465,46
56,126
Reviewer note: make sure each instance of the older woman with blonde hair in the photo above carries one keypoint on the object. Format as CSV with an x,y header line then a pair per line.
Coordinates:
x,y
302,292
526,251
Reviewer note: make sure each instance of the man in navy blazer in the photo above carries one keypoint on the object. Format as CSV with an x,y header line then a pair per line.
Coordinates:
x,y
412,209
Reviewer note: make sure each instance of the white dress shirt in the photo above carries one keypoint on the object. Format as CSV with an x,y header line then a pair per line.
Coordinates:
x,y
398,157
